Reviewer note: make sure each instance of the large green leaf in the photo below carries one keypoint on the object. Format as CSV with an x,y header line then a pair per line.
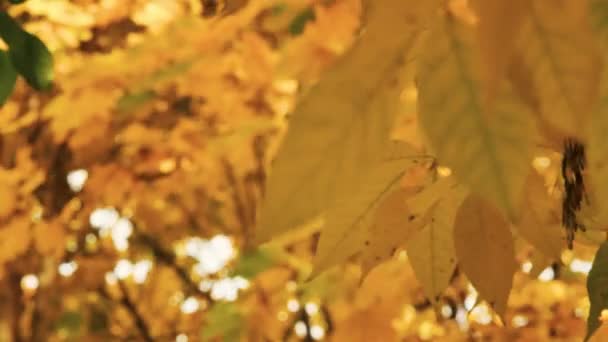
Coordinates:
x,y
28,53
8,76
597,287
342,125
487,145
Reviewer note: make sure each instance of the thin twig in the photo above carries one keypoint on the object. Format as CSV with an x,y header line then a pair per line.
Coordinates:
x,y
167,258
139,320
239,204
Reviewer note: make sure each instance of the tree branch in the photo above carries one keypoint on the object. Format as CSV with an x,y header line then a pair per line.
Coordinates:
x,y
139,320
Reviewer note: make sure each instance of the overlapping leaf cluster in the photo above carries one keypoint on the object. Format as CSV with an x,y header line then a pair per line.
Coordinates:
x,y
498,83
173,140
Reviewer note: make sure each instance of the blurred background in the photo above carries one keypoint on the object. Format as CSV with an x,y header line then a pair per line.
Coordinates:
x,y
128,191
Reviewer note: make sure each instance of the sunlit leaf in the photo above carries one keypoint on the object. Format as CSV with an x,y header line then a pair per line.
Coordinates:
x,y
343,124
348,218
379,300
540,218
393,224
539,263
559,49
485,251
431,194
498,29
479,143
597,152
431,251
597,288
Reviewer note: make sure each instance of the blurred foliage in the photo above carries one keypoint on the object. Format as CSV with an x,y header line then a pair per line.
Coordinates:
x,y
129,187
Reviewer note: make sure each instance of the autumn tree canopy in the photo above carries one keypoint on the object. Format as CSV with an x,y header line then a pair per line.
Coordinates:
x,y
302,170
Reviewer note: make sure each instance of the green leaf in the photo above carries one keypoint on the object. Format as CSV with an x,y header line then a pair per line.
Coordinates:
x,y
16,1
98,321
342,125
252,263
597,288
70,321
223,320
486,144
8,76
28,53
129,102
297,25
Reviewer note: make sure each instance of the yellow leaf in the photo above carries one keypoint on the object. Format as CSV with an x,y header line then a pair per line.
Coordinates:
x,y
378,302
597,152
485,251
393,224
499,27
342,124
371,324
348,219
387,285
425,199
487,148
539,263
540,219
559,49
431,251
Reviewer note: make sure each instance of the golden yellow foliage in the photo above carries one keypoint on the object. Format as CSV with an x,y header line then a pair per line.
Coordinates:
x,y
485,250
385,150
452,106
